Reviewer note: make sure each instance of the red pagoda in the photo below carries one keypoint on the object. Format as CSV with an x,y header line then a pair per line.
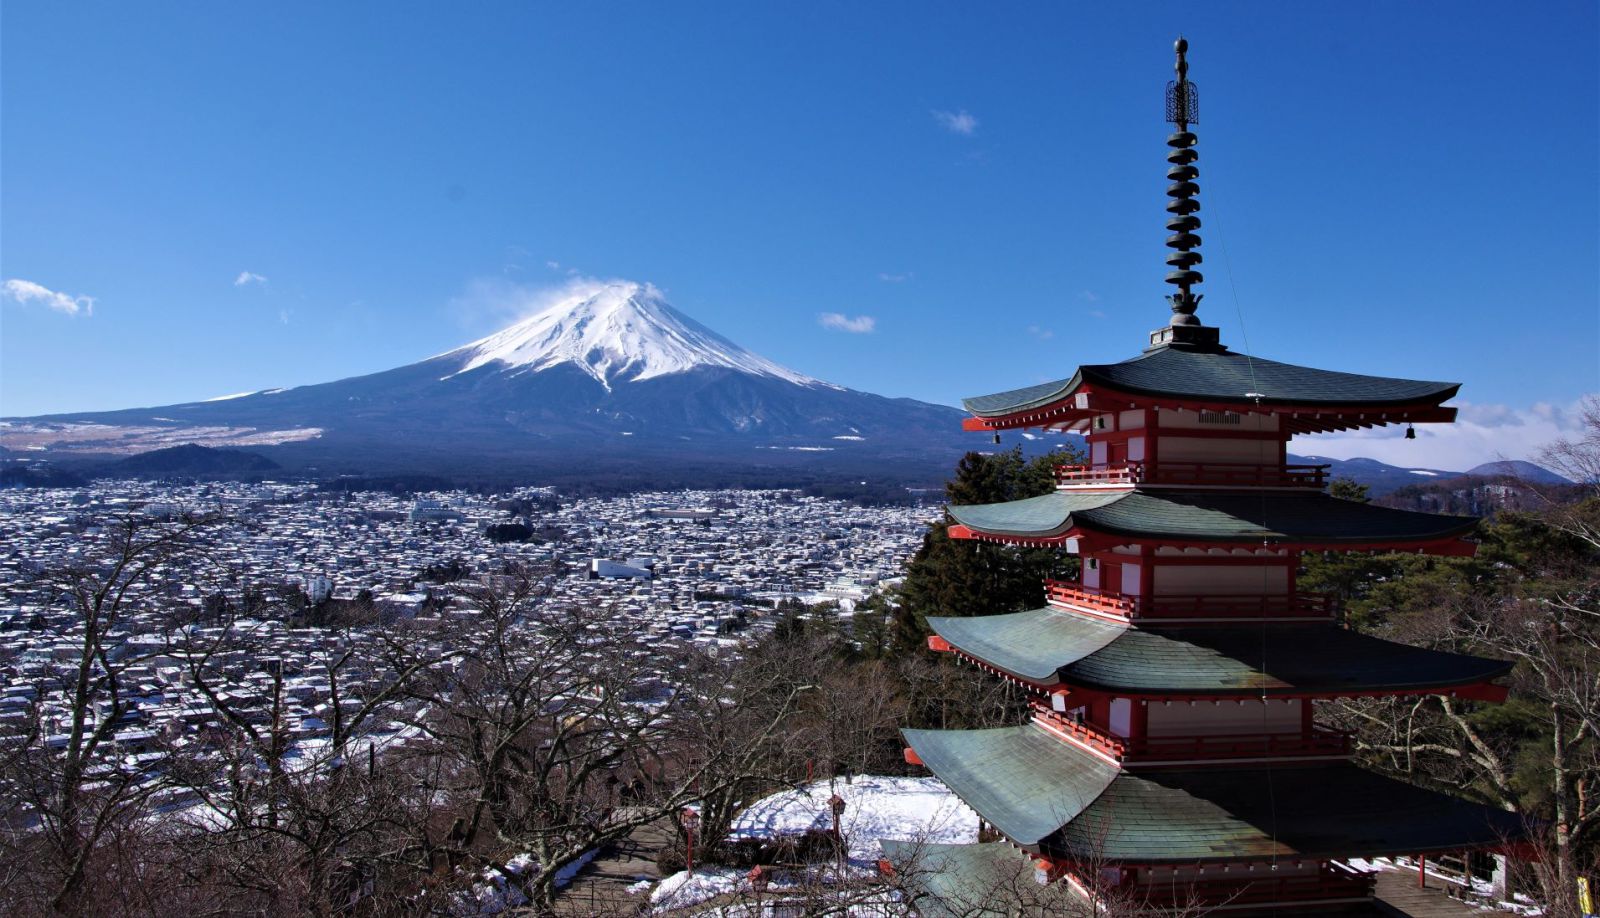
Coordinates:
x,y
1173,756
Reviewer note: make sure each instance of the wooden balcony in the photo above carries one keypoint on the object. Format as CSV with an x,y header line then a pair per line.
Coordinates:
x,y
1244,607
1318,743
1195,474
1173,750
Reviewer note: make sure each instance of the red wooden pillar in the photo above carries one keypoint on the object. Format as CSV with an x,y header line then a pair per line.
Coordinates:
x,y
1150,438
1147,572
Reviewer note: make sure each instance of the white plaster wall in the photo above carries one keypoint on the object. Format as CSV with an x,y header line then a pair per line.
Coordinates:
x,y
1204,449
1220,579
1130,579
1121,716
1203,718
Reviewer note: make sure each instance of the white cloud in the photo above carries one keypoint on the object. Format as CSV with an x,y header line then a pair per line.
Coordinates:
x,y
888,278
246,278
1043,334
836,321
25,291
1481,433
958,122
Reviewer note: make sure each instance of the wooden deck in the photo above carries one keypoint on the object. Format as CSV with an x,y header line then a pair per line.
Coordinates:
x,y
1398,895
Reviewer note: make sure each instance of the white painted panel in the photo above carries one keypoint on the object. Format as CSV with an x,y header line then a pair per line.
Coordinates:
x,y
1128,420
1204,718
1220,579
1121,716
1097,454
1091,575
1130,579
1136,449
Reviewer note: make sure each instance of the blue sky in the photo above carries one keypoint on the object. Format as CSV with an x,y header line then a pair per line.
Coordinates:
x,y
213,198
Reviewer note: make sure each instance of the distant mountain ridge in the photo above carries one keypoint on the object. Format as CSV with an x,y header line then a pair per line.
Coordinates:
x,y
609,380
1382,478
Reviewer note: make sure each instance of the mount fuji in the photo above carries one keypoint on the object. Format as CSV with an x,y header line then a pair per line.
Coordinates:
x,y
609,380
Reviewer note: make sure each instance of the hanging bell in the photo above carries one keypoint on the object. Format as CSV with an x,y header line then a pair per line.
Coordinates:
x,y
1411,432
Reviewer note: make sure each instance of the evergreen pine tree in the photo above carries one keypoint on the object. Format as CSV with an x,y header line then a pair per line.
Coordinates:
x,y
960,578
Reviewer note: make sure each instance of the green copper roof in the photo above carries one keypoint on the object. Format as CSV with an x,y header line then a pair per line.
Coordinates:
x,y
1220,376
1199,814
1032,645
968,881
1208,516
1049,645
1021,780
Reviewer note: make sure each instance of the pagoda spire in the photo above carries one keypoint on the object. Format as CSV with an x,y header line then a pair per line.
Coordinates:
x,y
1183,110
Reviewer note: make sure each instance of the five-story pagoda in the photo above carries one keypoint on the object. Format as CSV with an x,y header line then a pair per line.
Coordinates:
x,y
1174,754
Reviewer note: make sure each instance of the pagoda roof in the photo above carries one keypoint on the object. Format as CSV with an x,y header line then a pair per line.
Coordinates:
x,y
1048,646
1219,375
1207,516
965,881
1057,799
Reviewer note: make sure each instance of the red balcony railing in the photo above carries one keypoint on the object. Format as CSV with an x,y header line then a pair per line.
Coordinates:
x,y
1212,474
1319,742
1114,746
1115,605
1153,750
1300,604
1084,474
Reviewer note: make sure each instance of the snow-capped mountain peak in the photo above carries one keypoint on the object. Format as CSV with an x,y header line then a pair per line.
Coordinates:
x,y
614,331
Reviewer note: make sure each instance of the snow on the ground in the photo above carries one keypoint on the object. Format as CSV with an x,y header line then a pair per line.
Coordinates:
x,y
876,808
684,889
500,888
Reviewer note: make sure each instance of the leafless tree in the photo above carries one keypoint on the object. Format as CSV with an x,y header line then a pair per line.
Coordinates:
x,y
76,798
304,822
561,729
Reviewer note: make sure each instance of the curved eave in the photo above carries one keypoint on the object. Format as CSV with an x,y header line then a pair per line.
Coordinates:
x,y
1211,519
1050,648
1053,798
1223,380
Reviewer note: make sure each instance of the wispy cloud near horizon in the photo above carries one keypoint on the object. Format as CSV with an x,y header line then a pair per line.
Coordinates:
x,y
27,292
246,278
1481,433
957,122
838,321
